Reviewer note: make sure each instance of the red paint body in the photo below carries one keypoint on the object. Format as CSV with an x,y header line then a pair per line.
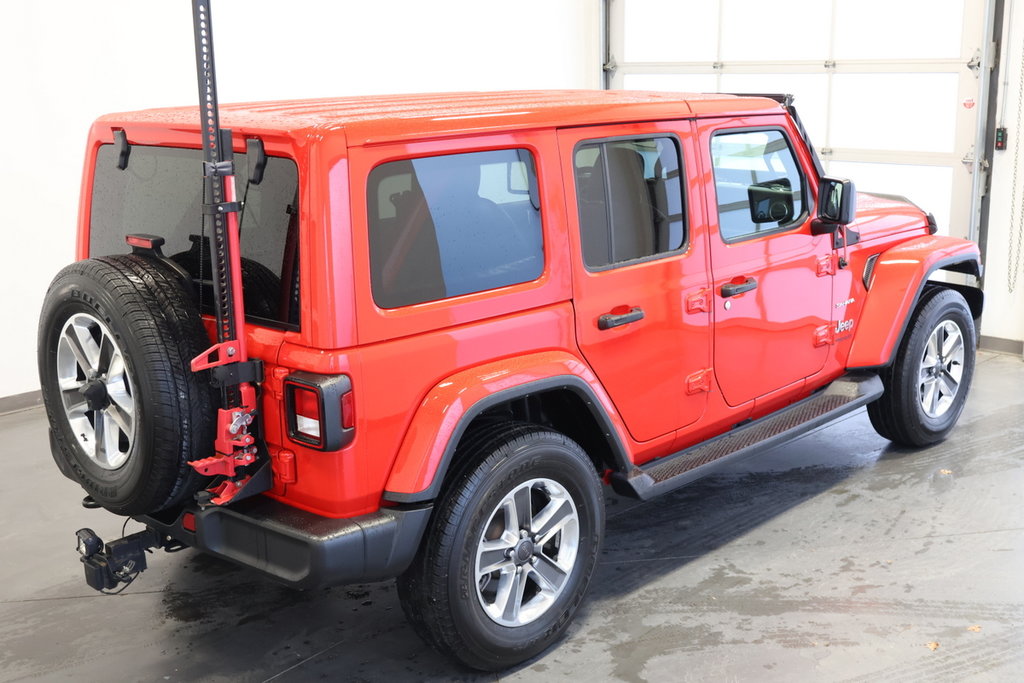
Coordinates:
x,y
688,371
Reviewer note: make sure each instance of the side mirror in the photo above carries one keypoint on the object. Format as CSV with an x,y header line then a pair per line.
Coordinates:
x,y
837,205
771,201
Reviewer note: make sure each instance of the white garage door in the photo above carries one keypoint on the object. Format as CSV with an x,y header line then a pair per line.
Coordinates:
x,y
890,90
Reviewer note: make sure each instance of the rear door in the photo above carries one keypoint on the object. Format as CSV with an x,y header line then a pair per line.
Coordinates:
x,y
772,277
639,255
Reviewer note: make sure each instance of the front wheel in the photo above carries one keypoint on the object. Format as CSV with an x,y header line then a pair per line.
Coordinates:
x,y
927,384
510,551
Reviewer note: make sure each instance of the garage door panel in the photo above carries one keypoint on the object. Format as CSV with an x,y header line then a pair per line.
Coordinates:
x,y
764,31
883,86
904,29
914,112
657,31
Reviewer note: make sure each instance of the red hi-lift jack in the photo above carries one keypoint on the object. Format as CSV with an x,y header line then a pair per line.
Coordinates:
x,y
228,362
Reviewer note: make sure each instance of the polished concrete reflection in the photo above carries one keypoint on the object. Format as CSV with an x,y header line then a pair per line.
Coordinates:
x,y
837,557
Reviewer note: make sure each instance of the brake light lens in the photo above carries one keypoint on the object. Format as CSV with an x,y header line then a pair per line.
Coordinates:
x,y
307,412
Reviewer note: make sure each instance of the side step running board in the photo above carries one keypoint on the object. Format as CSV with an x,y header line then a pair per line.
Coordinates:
x,y
845,395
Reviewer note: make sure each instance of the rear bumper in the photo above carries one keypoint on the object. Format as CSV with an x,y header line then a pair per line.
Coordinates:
x,y
299,548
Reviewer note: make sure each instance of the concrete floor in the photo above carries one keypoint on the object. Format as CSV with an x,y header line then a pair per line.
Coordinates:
x,y
835,558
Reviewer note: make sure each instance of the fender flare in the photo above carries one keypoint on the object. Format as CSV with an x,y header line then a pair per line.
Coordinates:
x,y
897,284
448,409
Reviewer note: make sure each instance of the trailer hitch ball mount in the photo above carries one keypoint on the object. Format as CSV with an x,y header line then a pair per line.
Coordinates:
x,y
108,564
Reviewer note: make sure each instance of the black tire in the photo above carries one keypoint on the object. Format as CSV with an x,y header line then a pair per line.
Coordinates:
x,y
152,414
924,392
261,288
442,592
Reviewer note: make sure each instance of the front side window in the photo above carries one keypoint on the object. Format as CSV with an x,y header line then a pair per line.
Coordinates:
x,y
757,182
630,200
449,225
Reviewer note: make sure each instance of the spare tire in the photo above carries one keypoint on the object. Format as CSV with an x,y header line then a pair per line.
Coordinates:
x,y
126,412
261,288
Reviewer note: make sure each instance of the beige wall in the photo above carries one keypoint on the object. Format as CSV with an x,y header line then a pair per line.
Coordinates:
x,y
67,61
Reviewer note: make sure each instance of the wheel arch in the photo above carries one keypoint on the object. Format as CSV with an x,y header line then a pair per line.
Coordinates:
x,y
898,284
556,391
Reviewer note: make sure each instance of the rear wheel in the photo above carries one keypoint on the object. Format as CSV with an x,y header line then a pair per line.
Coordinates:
x,y
927,384
511,549
116,337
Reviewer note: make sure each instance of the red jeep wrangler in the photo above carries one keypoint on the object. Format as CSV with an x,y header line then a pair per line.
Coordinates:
x,y
464,314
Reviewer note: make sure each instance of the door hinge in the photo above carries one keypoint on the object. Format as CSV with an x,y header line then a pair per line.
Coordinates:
x,y
975,62
699,302
827,265
824,335
699,381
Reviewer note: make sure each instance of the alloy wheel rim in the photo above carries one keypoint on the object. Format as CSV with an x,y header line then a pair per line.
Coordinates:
x,y
96,391
941,369
527,552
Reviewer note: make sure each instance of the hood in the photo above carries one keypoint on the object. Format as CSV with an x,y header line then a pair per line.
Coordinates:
x,y
879,215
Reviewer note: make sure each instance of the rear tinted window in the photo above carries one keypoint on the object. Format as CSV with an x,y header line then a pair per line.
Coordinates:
x,y
455,224
161,193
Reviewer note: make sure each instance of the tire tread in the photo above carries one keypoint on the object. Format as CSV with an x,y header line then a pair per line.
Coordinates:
x,y
167,332
895,415
422,589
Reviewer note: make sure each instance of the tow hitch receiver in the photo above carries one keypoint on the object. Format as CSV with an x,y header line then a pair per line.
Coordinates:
x,y
120,561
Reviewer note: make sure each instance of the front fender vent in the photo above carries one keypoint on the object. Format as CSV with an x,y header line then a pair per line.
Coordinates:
x,y
869,270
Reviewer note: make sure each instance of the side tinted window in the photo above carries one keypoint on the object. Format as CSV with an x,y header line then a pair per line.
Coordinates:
x,y
455,224
161,193
630,199
758,183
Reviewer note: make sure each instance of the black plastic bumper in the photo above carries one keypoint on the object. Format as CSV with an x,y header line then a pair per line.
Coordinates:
x,y
299,548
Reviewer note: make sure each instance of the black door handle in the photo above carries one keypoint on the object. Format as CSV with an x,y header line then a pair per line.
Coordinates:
x,y
610,320
732,289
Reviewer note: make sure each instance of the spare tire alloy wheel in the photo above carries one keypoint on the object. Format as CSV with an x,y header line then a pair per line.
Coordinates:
x,y
96,391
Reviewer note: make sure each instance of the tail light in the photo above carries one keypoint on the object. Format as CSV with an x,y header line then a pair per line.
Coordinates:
x,y
308,412
320,410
